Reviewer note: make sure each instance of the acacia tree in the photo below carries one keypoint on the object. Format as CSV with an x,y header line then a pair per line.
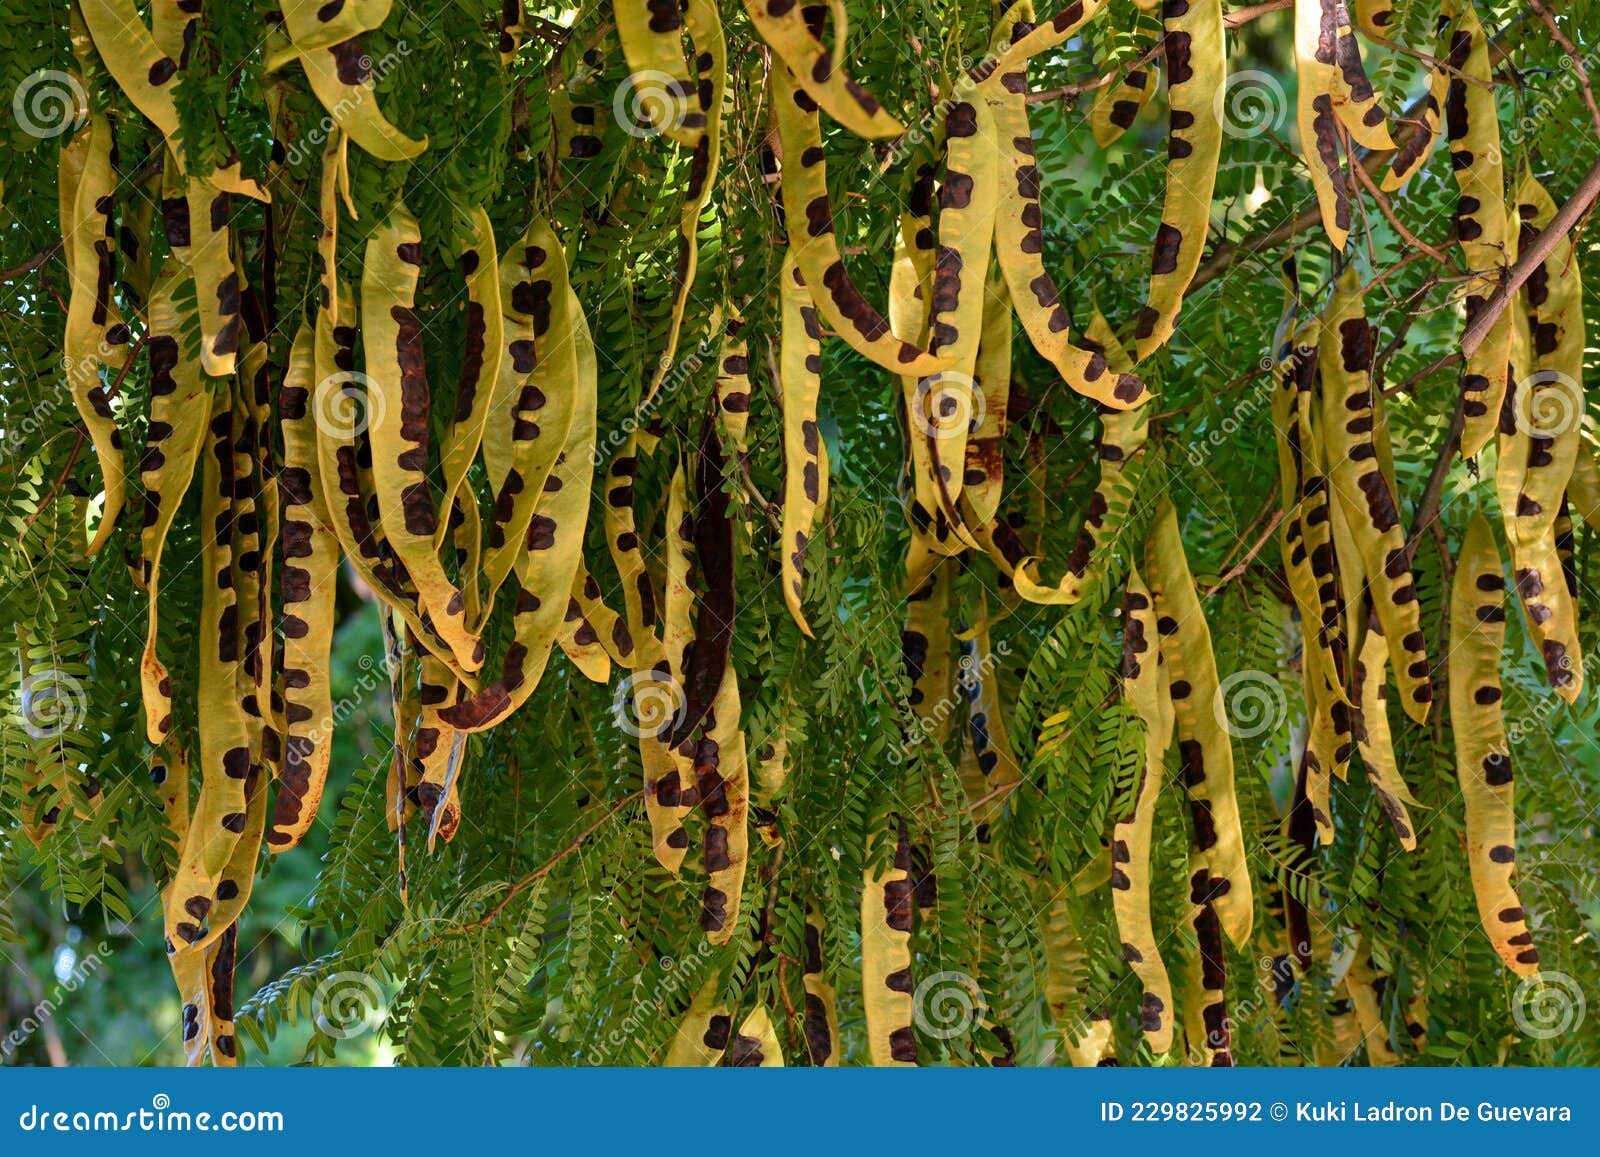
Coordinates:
x,y
752,533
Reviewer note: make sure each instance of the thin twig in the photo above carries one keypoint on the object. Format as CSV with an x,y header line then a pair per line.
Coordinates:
x,y
1573,55
1250,556
1532,257
33,262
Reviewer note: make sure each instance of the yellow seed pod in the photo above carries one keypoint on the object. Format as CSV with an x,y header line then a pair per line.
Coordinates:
x,y
1473,131
477,397
340,76
179,406
207,1005
814,245
1118,104
1583,488
1363,983
397,391
95,336
146,74
733,386
314,24
1483,757
678,595
1122,435
540,414
1196,66
886,988
1537,462
984,477
782,24
1060,28
821,1009
945,413
1374,17
1373,737
990,771
1363,493
1086,1034
800,370
220,815
755,1045
652,43
703,1033
1146,688
1317,114
548,550
722,782
925,654
590,651
1204,743
1207,1031
1355,99
1019,246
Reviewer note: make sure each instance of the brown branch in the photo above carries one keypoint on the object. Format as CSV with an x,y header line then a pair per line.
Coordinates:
x,y
1573,55
534,876
31,263
1531,257
1250,556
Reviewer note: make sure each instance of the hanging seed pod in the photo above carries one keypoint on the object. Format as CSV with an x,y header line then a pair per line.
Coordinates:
x,y
886,902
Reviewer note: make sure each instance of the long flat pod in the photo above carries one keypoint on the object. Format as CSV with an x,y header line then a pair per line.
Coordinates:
x,y
1145,687
993,758
477,397
225,756
755,1045
341,77
1373,736
208,253
95,335
542,412
947,401
1118,104
398,404
1122,435
1019,245
1195,52
815,246
317,24
1060,28
925,653
983,480
886,988
800,374
1317,116
782,25
179,408
1363,492
821,1006
1356,102
1204,743
550,551
308,584
711,68
722,779
1483,757
652,43
702,1035
1548,411
1472,128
